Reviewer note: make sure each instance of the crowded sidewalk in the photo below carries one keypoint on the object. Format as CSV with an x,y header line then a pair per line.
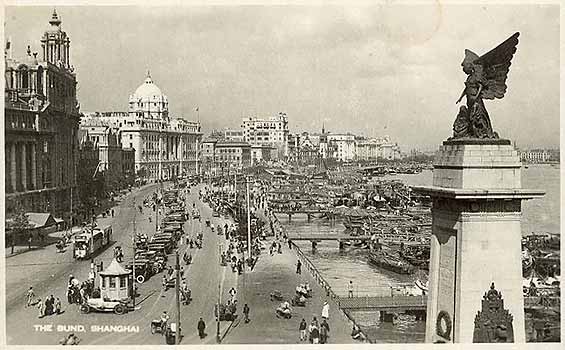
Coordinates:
x,y
277,272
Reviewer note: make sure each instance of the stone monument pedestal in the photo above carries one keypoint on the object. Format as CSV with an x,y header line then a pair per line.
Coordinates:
x,y
476,241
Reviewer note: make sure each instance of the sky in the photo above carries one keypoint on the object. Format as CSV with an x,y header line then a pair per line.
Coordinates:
x,y
384,69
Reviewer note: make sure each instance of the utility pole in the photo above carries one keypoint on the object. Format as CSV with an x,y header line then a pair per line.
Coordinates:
x,y
134,251
197,172
71,218
177,291
218,337
248,222
156,213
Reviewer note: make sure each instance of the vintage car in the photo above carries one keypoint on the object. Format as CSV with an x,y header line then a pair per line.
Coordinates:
x,y
158,248
143,269
99,304
166,243
156,260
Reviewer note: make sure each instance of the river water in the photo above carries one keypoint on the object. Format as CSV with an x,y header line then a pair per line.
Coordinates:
x,y
338,268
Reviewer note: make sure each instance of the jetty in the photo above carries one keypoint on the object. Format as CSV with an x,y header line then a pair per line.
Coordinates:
x,y
309,212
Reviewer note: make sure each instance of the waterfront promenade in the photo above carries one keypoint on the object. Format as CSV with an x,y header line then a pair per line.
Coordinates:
x,y
278,272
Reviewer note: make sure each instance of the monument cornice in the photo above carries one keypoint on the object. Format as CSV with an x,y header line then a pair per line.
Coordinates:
x,y
476,141
478,194
446,218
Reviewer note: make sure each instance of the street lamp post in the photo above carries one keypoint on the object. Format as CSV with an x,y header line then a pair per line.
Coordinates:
x,y
134,251
248,222
218,337
177,296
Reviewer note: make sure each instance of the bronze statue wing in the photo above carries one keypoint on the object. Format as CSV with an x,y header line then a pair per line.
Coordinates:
x,y
495,66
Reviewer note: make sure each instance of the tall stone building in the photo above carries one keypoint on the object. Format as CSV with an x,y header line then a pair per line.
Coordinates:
x,y
165,147
271,132
41,125
108,143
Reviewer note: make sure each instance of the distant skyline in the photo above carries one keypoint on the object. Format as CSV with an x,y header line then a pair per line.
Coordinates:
x,y
373,70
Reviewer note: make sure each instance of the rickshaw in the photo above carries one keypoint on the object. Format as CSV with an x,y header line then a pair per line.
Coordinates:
x,y
284,311
277,295
158,326
227,312
298,300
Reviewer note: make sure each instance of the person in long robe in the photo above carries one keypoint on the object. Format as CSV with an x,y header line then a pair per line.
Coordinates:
x,y
326,311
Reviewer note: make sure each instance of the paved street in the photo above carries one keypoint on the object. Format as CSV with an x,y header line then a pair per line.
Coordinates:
x,y
48,271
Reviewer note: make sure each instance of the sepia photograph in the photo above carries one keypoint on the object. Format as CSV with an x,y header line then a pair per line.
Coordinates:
x,y
281,173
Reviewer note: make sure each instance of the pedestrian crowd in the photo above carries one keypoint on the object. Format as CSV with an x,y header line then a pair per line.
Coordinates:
x,y
316,332
47,306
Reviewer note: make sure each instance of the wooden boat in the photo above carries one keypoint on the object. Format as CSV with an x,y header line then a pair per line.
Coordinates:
x,y
417,255
389,261
356,244
423,286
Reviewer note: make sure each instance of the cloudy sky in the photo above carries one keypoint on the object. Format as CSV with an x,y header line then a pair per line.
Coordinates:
x,y
372,70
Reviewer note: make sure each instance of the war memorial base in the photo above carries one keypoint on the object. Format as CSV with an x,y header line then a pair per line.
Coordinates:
x,y
476,240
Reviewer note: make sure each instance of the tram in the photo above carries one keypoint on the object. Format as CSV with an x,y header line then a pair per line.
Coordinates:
x,y
91,240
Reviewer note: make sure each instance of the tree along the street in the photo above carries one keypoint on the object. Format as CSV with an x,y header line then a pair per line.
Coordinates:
x,y
16,226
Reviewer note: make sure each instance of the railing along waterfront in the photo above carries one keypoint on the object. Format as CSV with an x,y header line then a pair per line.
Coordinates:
x,y
319,278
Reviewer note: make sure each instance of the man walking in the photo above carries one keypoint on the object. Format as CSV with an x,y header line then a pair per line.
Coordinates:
x,y
324,331
30,295
246,313
350,288
299,267
57,306
201,328
302,329
41,308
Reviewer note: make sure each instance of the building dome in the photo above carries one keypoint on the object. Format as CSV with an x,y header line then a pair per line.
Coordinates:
x,y
149,101
148,91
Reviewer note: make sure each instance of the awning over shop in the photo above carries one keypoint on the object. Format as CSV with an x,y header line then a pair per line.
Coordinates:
x,y
41,220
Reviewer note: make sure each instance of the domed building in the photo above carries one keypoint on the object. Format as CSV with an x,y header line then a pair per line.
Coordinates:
x,y
165,147
148,101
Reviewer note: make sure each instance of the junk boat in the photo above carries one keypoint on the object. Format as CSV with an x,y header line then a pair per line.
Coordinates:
x,y
390,261
417,255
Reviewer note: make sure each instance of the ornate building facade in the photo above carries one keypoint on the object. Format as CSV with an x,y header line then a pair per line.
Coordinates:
x,y
41,126
165,147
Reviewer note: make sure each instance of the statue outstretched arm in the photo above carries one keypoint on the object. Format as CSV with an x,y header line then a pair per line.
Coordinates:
x,y
462,95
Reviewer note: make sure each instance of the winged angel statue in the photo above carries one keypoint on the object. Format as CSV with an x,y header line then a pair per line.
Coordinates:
x,y
486,80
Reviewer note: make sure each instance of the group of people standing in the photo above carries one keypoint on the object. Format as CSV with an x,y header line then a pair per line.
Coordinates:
x,y
48,306
78,292
316,333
